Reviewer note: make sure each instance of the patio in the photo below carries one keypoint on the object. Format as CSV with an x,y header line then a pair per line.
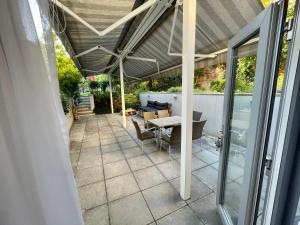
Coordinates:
x,y
119,184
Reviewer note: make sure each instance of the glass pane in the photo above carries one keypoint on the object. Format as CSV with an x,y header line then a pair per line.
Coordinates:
x,y
245,63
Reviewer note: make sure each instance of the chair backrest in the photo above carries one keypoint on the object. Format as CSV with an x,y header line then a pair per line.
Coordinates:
x,y
148,116
163,113
137,129
175,135
197,115
198,129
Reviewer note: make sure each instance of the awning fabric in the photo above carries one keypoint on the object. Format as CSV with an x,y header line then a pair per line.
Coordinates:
x,y
217,22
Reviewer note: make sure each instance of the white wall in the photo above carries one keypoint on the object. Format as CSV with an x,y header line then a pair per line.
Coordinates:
x,y
211,106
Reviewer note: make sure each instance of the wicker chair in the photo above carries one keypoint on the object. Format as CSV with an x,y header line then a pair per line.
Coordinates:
x,y
197,115
143,134
148,116
174,138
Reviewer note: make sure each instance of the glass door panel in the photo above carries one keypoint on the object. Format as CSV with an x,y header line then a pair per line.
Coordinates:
x,y
245,58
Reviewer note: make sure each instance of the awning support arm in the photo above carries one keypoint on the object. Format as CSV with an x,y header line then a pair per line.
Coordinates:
x,y
179,3
121,21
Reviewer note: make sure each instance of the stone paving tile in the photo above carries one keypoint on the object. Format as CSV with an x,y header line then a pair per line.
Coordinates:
x,y
89,175
139,162
116,169
128,144
108,141
207,156
198,188
184,216
92,195
132,152
124,138
159,157
96,216
206,209
170,169
162,200
131,210
87,160
110,148
92,150
112,157
208,175
121,186
149,177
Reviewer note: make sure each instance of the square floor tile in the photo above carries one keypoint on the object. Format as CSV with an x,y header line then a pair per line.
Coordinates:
x,y
115,169
150,147
90,144
128,144
139,162
131,210
110,148
170,169
96,216
132,152
87,160
207,156
149,177
206,209
92,195
124,138
121,186
162,200
112,157
184,216
196,163
208,175
92,150
159,157
108,141
89,175
198,189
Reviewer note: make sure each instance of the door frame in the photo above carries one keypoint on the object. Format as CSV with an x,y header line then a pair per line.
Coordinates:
x,y
284,185
266,25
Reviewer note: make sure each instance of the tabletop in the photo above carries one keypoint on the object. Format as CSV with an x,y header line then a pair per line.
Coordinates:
x,y
166,121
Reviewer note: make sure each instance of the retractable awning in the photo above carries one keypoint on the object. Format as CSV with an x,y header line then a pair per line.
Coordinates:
x,y
217,22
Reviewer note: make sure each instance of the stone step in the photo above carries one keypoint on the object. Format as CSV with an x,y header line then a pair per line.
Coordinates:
x,y
84,112
86,115
80,109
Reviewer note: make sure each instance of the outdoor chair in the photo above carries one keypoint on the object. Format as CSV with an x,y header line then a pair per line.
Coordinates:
x,y
143,134
174,138
148,116
163,113
197,115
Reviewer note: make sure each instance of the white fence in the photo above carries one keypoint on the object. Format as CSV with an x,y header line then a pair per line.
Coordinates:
x,y
211,106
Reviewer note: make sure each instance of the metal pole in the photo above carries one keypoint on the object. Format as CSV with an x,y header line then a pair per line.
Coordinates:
x,y
122,93
110,94
188,57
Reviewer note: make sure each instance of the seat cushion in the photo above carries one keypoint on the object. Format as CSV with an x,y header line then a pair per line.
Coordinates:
x,y
148,135
148,109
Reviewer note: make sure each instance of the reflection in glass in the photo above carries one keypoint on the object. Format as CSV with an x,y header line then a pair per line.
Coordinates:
x,y
245,64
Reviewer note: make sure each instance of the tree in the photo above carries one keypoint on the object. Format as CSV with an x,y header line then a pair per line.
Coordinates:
x,y
68,75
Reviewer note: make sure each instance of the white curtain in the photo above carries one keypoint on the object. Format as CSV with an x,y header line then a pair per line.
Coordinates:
x,y
36,181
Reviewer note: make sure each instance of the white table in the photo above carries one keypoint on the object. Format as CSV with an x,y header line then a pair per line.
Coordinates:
x,y
166,121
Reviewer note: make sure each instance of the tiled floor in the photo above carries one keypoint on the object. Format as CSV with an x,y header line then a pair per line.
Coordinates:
x,y
119,184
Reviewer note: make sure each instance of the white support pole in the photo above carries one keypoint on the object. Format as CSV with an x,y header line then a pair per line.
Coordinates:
x,y
110,94
122,93
188,57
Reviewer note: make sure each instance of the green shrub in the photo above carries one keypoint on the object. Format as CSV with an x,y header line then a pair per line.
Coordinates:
x,y
94,85
175,89
102,102
218,85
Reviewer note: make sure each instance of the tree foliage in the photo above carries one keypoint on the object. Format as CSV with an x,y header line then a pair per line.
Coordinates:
x,y
68,75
